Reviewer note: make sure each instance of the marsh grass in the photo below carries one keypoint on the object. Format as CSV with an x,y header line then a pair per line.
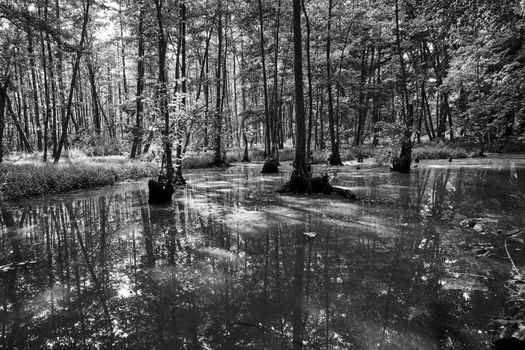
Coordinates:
x,y
439,150
27,177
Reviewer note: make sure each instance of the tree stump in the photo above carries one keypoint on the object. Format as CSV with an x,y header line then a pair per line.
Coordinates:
x,y
335,159
401,165
160,191
271,166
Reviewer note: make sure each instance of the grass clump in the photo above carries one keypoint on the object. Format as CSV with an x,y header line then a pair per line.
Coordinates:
x,y
438,151
27,179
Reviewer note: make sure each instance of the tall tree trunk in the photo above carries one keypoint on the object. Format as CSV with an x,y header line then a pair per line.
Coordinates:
x,y
276,100
335,157
30,50
21,132
376,113
403,162
94,97
80,49
182,39
60,72
245,157
300,179
162,93
362,95
218,159
136,148
3,102
47,99
310,91
268,141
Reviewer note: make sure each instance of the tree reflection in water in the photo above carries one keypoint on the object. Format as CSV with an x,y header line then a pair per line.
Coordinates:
x,y
227,265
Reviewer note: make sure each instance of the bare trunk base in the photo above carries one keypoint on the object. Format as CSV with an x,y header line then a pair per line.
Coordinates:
x,y
179,180
308,184
271,166
220,163
160,191
402,163
245,157
335,159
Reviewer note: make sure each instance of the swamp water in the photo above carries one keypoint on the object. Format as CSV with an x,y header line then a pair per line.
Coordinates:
x,y
419,262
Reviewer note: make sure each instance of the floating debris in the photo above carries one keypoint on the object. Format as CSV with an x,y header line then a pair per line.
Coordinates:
x,y
310,235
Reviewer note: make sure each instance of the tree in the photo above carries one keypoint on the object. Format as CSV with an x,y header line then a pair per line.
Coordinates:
x,y
79,52
335,157
402,162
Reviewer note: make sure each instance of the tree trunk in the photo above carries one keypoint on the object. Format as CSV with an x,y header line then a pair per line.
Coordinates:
x,y
3,102
335,157
268,141
179,179
402,163
301,177
136,148
94,98
162,94
23,136
31,54
218,159
310,92
80,49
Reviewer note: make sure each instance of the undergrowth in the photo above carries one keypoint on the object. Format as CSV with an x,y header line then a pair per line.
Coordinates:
x,y
438,151
512,323
26,179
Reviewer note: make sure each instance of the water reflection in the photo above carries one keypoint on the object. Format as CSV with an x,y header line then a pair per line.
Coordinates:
x,y
228,266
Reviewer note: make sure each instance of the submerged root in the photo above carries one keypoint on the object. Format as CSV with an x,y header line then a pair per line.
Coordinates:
x,y
315,185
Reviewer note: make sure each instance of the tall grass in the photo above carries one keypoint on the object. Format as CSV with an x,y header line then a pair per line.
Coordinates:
x,y
25,179
439,151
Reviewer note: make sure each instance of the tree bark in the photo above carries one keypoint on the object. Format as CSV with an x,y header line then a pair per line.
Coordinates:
x,y
94,98
21,132
162,94
31,53
136,149
335,157
3,102
73,81
179,179
309,75
268,141
218,158
402,163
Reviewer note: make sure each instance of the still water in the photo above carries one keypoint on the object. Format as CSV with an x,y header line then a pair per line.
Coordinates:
x,y
419,262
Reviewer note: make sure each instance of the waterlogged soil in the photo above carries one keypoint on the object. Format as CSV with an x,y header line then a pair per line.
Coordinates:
x,y
419,262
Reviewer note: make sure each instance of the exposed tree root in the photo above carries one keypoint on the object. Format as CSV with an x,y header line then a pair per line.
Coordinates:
x,y
315,185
